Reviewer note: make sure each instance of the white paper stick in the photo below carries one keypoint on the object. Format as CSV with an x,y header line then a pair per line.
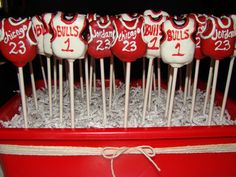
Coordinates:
x,y
103,91
113,77
180,79
194,89
49,85
23,97
55,77
209,81
168,90
72,100
147,89
231,64
127,86
190,78
186,84
43,72
110,83
91,66
94,76
216,68
61,90
81,76
33,84
159,76
150,89
66,71
172,96
144,75
154,82
87,85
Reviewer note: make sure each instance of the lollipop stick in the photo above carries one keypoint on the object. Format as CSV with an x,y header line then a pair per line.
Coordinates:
x,y
94,76
194,89
172,96
103,91
81,78
180,79
23,97
124,68
147,89
231,64
55,76
144,75
159,76
154,78
91,66
72,101
127,85
61,89
33,84
150,89
213,91
168,91
190,78
43,72
110,82
87,85
113,76
209,81
49,85
186,84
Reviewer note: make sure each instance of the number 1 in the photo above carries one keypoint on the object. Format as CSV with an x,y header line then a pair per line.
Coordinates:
x,y
178,48
68,46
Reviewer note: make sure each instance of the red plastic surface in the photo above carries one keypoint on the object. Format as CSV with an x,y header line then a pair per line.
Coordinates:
x,y
208,164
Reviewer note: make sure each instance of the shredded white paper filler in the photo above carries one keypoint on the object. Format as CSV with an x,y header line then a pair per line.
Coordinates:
x,y
154,118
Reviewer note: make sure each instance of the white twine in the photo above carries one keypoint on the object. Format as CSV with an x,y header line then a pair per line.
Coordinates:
x,y
114,152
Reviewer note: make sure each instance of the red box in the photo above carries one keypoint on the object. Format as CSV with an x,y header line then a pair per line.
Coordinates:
x,y
125,165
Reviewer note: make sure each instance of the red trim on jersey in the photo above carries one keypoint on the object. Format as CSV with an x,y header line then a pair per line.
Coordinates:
x,y
82,29
175,25
54,34
68,21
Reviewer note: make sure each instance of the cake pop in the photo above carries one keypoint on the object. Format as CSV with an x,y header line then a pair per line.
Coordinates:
x,y
128,46
177,49
18,45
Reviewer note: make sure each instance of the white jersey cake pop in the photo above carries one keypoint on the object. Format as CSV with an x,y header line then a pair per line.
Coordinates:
x,y
47,35
152,34
38,29
178,45
67,41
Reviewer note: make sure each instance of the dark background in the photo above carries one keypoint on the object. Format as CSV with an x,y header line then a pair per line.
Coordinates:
x,y
24,8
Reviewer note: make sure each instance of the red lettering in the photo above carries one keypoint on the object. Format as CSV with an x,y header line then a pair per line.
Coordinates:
x,y
169,35
177,35
76,30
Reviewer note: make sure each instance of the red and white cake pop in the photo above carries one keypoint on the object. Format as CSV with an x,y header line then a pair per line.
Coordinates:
x,y
69,43
152,35
128,46
18,45
177,50
101,36
218,42
178,45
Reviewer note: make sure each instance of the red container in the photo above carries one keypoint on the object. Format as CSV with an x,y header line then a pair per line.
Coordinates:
x,y
126,165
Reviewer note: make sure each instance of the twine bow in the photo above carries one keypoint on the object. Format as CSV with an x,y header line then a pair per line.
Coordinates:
x,y
112,153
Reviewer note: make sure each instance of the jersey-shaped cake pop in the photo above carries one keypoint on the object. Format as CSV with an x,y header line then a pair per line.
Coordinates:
x,y
178,45
18,43
152,34
218,38
201,20
129,44
38,29
101,37
47,35
67,41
